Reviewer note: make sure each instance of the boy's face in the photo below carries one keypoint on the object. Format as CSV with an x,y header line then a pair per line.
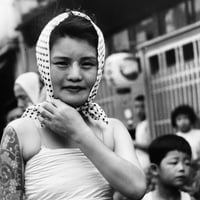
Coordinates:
x,y
183,123
174,169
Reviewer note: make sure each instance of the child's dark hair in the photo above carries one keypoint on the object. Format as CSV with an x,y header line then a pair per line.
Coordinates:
x,y
183,109
160,146
75,27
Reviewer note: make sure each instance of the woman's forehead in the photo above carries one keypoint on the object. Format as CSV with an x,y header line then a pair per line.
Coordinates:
x,y
67,46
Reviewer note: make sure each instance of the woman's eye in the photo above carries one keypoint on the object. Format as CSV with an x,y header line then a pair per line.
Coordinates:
x,y
88,64
61,64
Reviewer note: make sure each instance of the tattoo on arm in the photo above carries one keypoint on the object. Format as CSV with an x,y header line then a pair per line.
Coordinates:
x,y
11,167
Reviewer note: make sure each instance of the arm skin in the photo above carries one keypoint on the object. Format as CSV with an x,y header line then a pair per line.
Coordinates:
x,y
120,167
11,167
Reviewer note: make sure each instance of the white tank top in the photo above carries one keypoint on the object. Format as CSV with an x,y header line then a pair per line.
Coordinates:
x,y
64,174
184,196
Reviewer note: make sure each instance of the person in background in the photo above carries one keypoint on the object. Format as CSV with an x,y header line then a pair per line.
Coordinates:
x,y
142,133
27,89
66,147
13,114
170,157
183,119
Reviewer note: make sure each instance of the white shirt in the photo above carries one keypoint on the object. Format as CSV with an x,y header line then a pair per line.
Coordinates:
x,y
142,137
142,134
193,138
150,196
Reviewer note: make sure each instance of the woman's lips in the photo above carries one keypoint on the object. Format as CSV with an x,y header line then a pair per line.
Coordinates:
x,y
73,88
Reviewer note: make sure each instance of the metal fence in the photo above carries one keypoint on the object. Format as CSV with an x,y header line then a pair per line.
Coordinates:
x,y
171,66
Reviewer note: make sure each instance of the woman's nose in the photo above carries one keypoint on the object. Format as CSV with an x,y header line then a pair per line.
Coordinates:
x,y
74,72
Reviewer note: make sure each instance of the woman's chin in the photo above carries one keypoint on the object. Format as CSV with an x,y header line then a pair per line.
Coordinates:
x,y
74,101
73,104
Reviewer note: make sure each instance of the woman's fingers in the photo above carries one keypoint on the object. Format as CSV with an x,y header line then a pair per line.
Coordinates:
x,y
41,119
46,111
49,107
44,121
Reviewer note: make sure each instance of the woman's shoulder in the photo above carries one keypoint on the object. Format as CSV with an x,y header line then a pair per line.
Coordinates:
x,y
22,125
111,130
113,122
27,133
113,125
117,126
107,129
23,121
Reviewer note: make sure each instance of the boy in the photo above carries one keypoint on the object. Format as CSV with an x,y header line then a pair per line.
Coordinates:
x,y
183,119
170,157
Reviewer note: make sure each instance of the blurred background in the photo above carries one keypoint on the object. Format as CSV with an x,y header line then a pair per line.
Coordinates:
x,y
152,47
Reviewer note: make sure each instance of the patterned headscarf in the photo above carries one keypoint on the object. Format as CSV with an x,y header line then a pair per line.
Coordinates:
x,y
89,109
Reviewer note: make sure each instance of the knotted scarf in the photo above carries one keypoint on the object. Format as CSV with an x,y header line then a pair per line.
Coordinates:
x,y
89,108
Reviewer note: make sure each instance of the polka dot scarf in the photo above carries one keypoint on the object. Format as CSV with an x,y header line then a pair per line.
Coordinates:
x,y
89,109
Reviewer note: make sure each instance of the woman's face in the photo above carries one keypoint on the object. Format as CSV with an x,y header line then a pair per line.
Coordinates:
x,y
73,70
23,101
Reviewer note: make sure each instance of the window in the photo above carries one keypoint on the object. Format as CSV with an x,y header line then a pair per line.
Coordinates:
x,y
170,58
188,52
154,64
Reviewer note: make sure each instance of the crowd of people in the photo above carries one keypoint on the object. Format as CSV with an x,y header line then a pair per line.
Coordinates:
x,y
59,144
173,158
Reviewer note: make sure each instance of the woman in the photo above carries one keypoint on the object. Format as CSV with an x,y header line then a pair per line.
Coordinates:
x,y
76,153
27,89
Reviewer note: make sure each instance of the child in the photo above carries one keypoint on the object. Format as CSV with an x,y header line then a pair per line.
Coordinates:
x,y
183,119
170,157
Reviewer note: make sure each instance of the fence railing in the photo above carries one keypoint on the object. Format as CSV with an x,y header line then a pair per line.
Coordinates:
x,y
171,66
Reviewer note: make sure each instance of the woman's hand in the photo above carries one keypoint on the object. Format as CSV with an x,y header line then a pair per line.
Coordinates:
x,y
62,119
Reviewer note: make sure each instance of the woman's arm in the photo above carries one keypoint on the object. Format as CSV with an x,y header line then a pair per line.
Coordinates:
x,y
11,166
121,167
